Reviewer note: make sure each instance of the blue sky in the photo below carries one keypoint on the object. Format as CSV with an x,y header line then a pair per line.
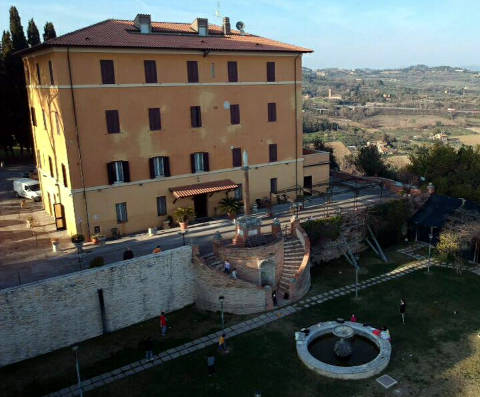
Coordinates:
x,y
343,33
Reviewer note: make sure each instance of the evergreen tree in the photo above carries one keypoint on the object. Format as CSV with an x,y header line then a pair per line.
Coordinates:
x,y
49,31
32,34
6,140
19,41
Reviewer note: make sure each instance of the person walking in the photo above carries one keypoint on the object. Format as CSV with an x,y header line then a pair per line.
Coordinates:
x,y
211,364
148,348
403,307
274,297
226,267
127,254
163,323
222,346
234,273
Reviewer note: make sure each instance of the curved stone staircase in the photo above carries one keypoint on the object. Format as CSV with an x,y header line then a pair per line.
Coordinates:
x,y
293,252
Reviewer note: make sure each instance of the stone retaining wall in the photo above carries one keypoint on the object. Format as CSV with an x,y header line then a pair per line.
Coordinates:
x,y
53,313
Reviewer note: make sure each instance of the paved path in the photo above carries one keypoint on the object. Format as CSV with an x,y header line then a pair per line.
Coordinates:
x,y
240,328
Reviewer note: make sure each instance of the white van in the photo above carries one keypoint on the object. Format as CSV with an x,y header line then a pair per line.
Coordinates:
x,y
28,188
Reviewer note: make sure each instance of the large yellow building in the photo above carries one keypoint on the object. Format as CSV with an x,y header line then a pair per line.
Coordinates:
x,y
132,119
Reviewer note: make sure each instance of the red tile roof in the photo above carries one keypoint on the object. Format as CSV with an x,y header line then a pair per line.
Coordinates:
x,y
165,35
202,188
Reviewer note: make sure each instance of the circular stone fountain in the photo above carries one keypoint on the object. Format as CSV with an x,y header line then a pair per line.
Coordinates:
x,y
343,351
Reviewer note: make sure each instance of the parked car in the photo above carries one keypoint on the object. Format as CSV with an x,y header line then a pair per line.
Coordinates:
x,y
28,188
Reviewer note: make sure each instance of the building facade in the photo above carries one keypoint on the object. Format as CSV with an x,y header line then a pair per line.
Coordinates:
x,y
132,119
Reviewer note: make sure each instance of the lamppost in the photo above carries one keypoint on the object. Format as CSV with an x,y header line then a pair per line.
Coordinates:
x,y
183,232
77,366
430,237
221,299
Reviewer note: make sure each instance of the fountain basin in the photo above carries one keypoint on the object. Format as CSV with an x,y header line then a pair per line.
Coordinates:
x,y
344,370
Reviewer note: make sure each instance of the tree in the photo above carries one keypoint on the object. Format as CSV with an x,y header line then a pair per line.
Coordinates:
x,y
49,31
318,144
32,34
19,42
369,162
6,139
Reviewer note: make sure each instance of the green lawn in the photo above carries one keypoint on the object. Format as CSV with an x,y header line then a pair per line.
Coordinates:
x,y
435,354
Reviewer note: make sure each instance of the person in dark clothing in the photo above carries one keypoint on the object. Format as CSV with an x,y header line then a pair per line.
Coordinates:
x,y
148,343
403,307
127,254
274,298
211,364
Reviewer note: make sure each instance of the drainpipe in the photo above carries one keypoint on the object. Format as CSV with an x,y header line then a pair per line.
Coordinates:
x,y
296,122
82,175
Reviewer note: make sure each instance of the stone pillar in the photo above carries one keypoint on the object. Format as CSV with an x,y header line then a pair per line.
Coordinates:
x,y
293,224
276,228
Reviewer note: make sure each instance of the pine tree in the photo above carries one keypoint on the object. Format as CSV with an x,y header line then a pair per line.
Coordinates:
x,y
32,34
49,31
16,30
6,130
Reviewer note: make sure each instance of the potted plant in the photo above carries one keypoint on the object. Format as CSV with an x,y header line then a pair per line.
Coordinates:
x,y
98,239
54,242
78,240
230,206
183,215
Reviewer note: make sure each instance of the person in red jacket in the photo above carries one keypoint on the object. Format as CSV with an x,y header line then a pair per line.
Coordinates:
x,y
353,319
163,323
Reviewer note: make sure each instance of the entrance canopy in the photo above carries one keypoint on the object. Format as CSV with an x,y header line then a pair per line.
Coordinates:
x,y
203,188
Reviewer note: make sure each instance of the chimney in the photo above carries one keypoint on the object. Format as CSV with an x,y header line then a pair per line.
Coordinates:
x,y
200,25
143,23
226,26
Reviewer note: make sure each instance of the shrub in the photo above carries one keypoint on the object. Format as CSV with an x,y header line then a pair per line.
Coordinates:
x,y
78,238
388,221
323,229
98,261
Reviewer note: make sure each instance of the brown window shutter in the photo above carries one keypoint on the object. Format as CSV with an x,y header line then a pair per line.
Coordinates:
x,y
39,80
237,157
50,69
154,118
192,162
232,71
270,71
64,176
150,71
272,111
152,170
126,171
166,165
192,71
111,172
34,117
205,162
272,152
235,114
113,123
273,185
196,117
108,72
51,166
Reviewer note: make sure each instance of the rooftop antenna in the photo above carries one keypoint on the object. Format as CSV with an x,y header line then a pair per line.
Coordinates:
x,y
218,14
241,27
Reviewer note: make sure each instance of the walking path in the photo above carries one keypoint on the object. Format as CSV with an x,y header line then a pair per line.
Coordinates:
x,y
245,326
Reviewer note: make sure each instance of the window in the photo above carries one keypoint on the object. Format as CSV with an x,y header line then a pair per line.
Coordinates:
x,y
307,182
232,71
270,71
272,111
235,114
39,80
57,123
154,119
161,205
44,119
50,164
212,70
273,185
118,172
64,176
196,116
237,157
199,162
50,69
108,72
192,71
39,159
34,118
237,193
272,152
113,123
159,167
150,72
121,210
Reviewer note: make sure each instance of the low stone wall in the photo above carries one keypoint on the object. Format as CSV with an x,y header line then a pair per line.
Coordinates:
x,y
247,261
53,313
241,297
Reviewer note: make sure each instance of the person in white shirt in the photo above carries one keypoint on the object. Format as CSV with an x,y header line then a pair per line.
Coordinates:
x,y
234,273
226,267
385,334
